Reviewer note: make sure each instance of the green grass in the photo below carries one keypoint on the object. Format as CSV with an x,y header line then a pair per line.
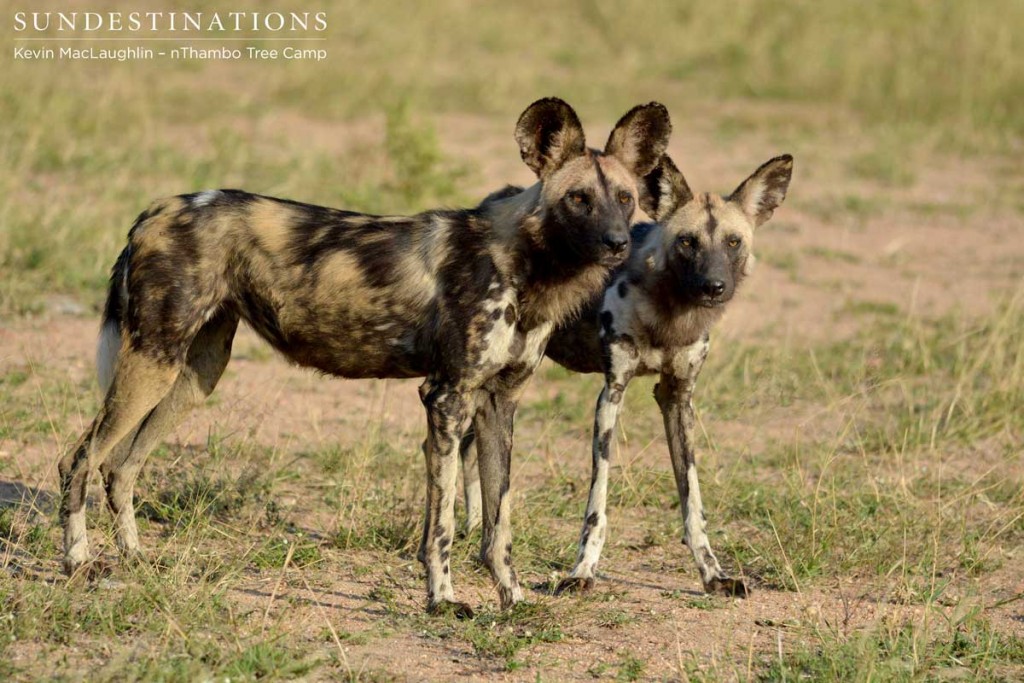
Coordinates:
x,y
503,636
959,645
922,383
631,668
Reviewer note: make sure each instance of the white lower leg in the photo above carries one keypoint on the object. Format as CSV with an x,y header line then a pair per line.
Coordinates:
x,y
695,536
76,543
595,522
594,525
499,557
474,505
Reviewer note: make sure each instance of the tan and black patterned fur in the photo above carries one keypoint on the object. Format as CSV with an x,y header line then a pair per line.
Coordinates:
x,y
465,298
655,317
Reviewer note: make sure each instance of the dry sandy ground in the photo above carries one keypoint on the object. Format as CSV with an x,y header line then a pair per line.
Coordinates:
x,y
943,242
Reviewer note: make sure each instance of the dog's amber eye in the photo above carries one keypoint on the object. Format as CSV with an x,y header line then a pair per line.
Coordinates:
x,y
734,242
625,198
686,242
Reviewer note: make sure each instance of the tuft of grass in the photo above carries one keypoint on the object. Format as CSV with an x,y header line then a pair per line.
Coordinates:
x,y
877,308
630,668
375,511
422,175
961,646
272,555
263,661
615,618
836,255
198,496
949,380
503,635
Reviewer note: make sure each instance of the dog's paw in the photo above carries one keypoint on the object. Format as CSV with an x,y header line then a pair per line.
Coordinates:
x,y
575,584
510,597
89,570
133,557
727,587
459,610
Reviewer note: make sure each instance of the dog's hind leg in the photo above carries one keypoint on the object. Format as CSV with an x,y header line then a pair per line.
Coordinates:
x,y
674,393
207,357
139,383
470,479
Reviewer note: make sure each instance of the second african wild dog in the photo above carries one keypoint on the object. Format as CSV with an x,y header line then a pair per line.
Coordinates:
x,y
654,318
466,298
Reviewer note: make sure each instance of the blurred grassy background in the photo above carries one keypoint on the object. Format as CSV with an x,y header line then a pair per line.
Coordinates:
x,y
87,145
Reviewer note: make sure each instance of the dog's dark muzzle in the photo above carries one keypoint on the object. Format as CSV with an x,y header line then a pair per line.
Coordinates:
x,y
616,247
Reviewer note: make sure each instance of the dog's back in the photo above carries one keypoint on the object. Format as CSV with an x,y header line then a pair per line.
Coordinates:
x,y
346,293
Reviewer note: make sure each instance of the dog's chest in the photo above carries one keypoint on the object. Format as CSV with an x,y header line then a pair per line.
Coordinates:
x,y
502,340
623,314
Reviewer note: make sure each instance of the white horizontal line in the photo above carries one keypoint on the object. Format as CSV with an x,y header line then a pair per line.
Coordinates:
x,y
183,40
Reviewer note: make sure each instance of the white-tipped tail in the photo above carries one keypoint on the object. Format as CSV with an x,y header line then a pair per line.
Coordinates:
x,y
106,354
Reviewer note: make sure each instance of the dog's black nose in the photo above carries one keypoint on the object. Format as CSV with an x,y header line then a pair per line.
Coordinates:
x,y
615,242
714,288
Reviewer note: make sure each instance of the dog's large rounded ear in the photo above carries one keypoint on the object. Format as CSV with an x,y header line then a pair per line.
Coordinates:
x,y
663,190
760,194
549,134
640,137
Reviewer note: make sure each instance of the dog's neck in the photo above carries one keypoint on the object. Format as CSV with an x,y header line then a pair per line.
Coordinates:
x,y
553,286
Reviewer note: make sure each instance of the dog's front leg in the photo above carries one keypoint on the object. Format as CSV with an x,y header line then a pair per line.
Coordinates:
x,y
622,360
447,410
493,426
674,393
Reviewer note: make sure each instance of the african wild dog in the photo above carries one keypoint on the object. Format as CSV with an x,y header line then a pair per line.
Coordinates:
x,y
466,298
655,318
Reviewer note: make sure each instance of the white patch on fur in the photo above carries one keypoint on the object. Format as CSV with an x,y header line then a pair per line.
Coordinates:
x,y
499,337
474,505
750,198
618,306
669,199
694,534
607,414
536,341
106,355
688,357
76,543
622,362
509,590
205,197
